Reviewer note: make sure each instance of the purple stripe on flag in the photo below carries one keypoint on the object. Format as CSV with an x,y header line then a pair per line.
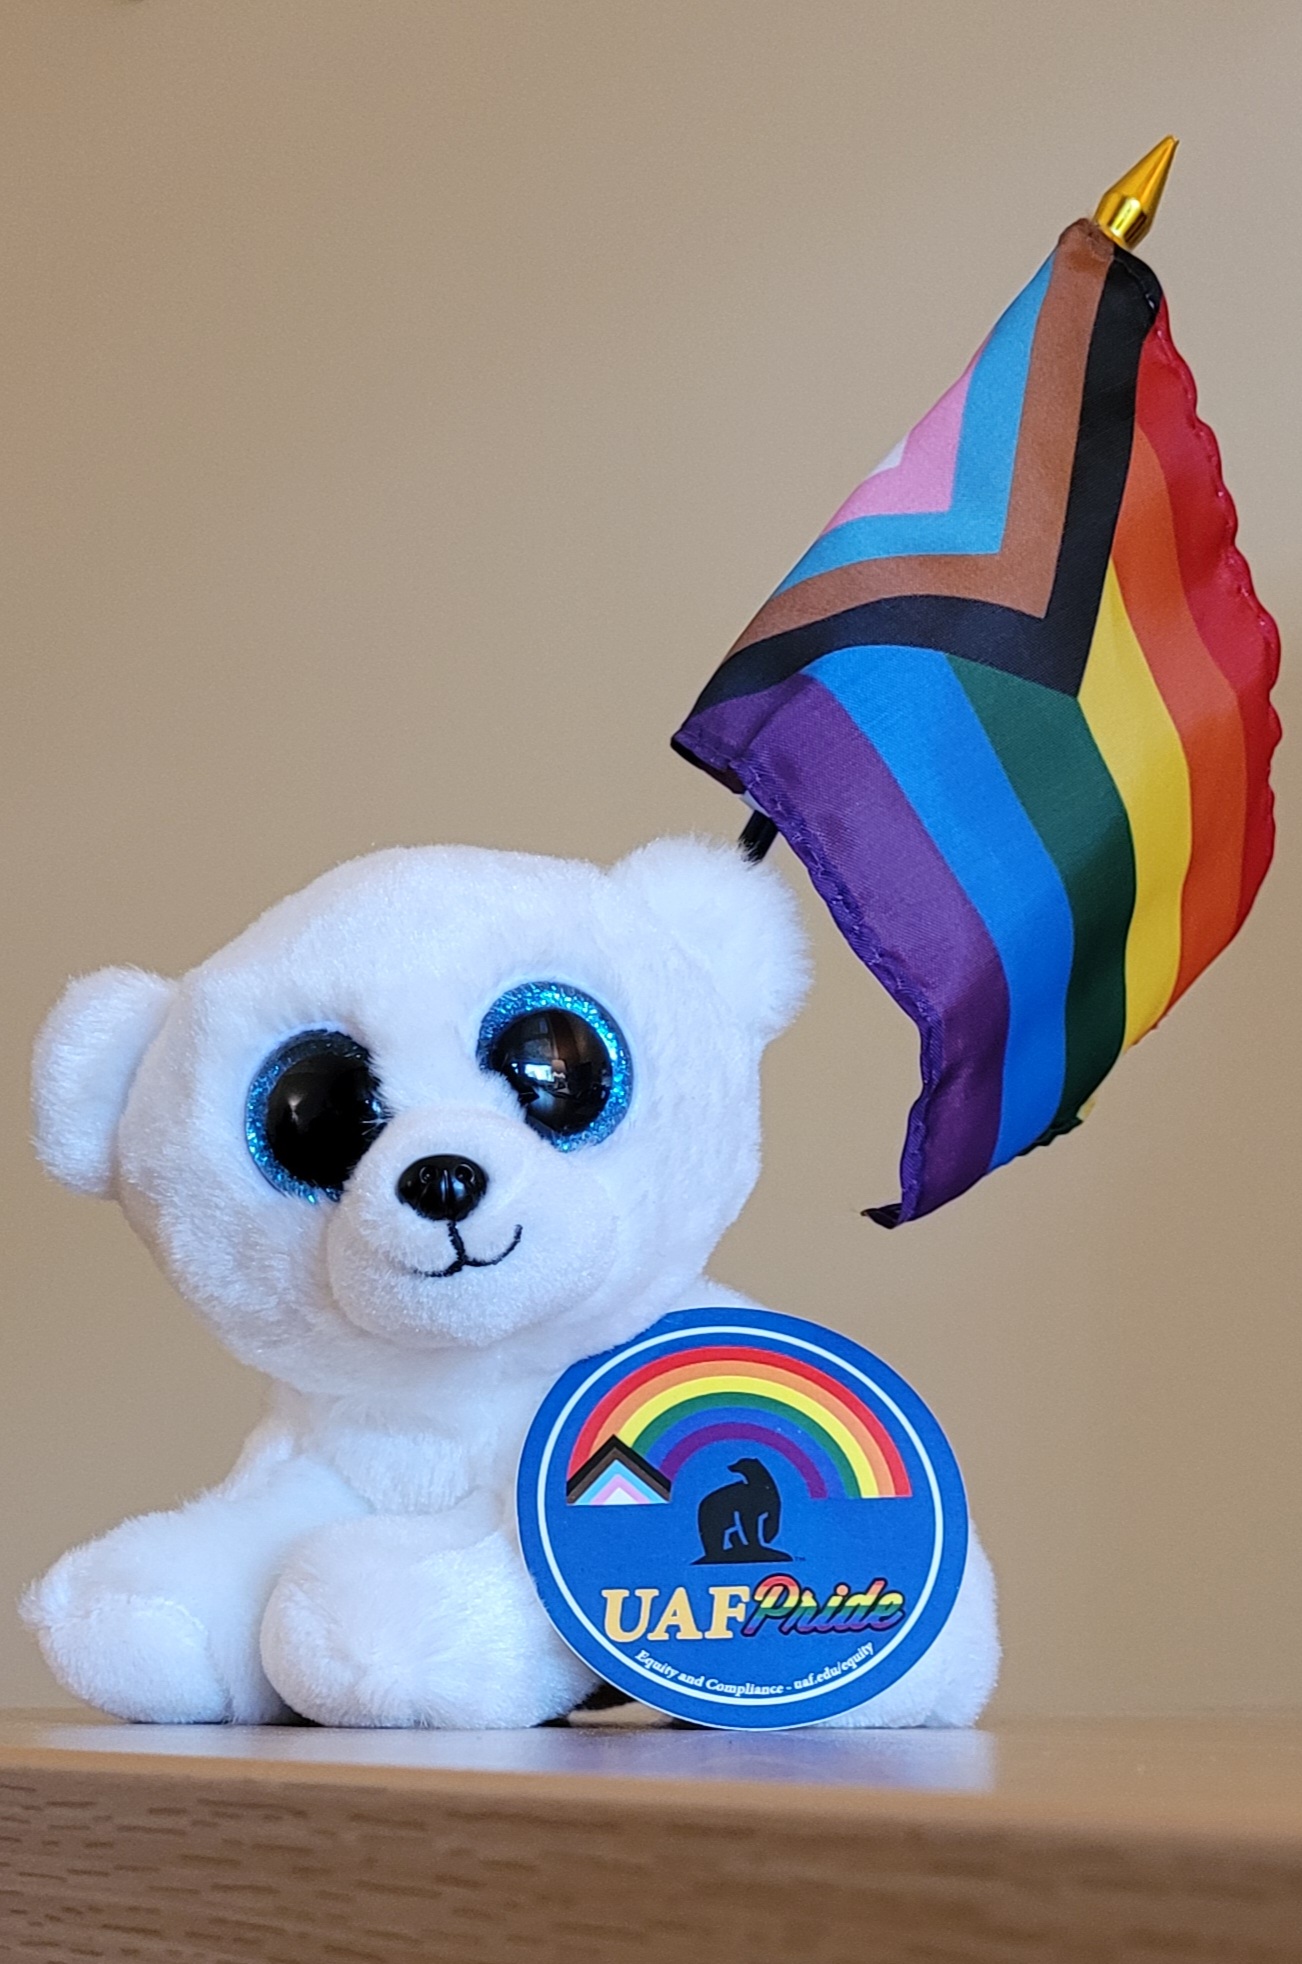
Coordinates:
x,y
805,762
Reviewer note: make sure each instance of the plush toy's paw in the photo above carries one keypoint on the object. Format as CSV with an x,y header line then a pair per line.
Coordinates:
x,y
113,1636
950,1683
139,1657
376,1623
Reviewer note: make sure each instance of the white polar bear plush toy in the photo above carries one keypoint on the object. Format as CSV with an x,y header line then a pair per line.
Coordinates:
x,y
426,1134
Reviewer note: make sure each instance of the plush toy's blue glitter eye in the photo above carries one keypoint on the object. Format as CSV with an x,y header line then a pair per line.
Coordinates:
x,y
565,1058
312,1110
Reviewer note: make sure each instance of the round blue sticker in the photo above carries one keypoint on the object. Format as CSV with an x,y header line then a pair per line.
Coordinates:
x,y
742,1519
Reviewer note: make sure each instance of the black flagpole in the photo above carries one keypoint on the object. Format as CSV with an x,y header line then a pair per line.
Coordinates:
x,y
757,836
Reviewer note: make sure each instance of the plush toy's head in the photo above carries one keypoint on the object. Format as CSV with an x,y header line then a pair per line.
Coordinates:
x,y
441,1097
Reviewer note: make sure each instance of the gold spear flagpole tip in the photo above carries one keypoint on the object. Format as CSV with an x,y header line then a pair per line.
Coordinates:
x,y
1127,210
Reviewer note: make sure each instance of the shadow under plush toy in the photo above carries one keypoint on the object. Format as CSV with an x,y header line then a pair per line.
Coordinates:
x,y
425,1135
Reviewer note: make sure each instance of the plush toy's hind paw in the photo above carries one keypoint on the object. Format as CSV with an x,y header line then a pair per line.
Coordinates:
x,y
139,1657
371,1624
115,1629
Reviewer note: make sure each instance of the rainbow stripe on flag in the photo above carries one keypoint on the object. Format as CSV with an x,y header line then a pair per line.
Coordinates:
x,y
1012,710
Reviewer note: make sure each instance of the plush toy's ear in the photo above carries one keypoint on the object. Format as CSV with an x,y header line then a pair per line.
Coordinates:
x,y
738,919
87,1054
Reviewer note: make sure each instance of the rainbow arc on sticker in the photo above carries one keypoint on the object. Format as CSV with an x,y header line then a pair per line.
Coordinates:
x,y
1012,709
640,1436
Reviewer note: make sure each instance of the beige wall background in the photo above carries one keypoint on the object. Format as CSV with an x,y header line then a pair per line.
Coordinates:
x,y
405,405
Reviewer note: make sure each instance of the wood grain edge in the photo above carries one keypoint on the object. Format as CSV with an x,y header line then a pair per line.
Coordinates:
x,y
1071,1806
103,1864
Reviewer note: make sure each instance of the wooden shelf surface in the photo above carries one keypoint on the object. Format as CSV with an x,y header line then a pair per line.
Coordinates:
x,y
1070,1839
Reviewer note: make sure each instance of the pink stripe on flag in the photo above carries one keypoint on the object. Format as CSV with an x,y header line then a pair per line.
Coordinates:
x,y
923,477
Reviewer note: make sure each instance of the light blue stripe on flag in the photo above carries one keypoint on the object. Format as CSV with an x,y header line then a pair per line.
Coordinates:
x,y
915,712
983,475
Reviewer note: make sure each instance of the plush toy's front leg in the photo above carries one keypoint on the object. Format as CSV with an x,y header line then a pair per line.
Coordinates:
x,y
159,1619
417,1620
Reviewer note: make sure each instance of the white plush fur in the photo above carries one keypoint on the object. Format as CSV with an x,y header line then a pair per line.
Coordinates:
x,y
86,1056
360,1565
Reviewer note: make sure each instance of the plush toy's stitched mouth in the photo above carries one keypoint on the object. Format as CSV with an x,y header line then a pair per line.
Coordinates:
x,y
464,1260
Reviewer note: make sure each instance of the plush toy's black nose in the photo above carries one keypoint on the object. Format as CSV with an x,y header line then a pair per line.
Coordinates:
x,y
444,1187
